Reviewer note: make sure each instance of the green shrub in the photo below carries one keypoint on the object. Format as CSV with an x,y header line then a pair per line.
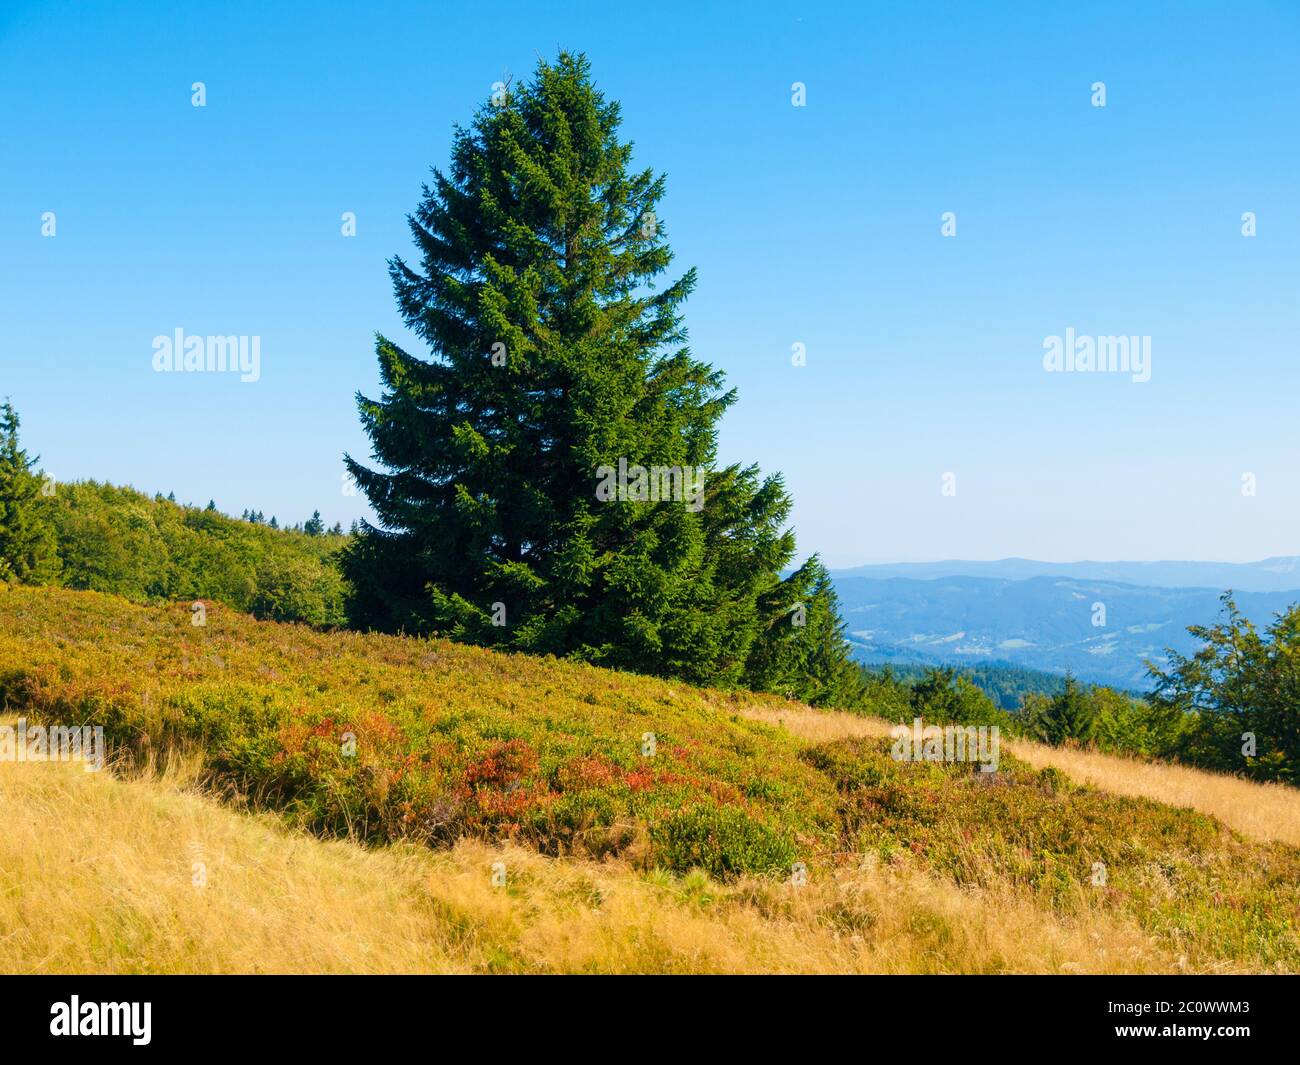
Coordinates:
x,y
721,840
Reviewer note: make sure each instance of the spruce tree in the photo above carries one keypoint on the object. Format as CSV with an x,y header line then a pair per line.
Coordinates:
x,y
1069,716
28,546
804,652
943,696
557,350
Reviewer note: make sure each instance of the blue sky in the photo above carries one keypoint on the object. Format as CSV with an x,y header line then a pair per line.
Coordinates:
x,y
817,225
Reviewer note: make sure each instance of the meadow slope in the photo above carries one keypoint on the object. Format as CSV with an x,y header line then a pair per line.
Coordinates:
x,y
1266,812
154,877
644,825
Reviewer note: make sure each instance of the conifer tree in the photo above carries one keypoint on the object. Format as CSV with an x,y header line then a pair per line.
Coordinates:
x,y
558,351
944,696
28,546
804,653
1068,716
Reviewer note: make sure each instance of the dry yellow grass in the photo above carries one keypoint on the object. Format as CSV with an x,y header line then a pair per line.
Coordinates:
x,y
97,875
1261,811
817,726
1265,812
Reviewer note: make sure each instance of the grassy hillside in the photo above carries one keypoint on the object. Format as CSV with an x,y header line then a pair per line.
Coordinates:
x,y
136,903
461,748
450,740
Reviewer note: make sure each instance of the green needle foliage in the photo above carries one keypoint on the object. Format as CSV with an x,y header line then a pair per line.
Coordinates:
x,y
558,349
1069,716
28,551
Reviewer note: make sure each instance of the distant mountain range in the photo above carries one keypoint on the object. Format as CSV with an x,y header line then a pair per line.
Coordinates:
x,y
1280,574
1013,613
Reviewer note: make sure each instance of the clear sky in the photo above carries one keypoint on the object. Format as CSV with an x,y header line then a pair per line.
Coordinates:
x,y
818,225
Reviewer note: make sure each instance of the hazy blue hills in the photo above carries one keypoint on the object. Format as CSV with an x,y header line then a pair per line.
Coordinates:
x,y
1040,622
1270,575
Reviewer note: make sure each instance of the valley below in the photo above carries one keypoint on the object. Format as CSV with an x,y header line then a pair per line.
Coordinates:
x,y
1104,631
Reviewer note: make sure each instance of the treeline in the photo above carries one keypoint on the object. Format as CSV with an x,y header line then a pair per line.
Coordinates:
x,y
121,541
1003,682
313,526
102,538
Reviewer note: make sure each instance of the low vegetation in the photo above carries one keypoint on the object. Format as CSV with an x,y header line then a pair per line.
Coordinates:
x,y
382,737
1262,811
656,785
169,881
